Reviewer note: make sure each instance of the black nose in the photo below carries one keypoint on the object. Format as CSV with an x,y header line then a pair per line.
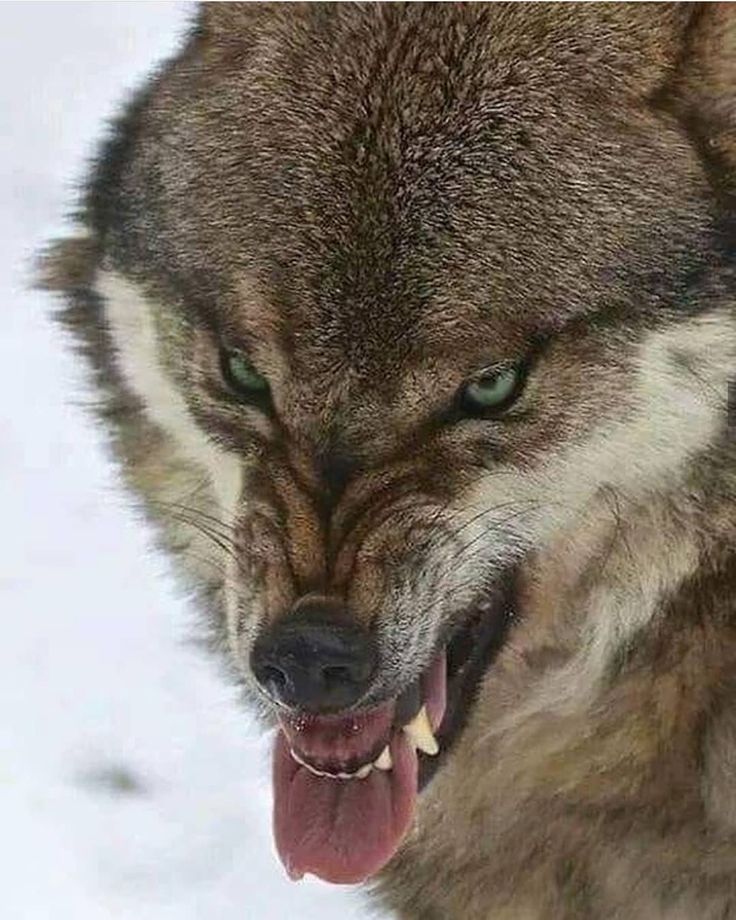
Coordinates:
x,y
315,659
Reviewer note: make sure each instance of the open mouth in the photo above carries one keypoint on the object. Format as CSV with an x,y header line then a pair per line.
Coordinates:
x,y
345,786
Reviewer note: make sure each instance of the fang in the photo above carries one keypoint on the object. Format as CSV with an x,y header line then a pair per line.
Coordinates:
x,y
419,732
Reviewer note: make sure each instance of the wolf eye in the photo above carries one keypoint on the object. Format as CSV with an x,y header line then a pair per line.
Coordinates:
x,y
242,377
492,392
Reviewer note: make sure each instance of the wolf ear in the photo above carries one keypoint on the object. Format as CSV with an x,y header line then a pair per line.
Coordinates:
x,y
703,92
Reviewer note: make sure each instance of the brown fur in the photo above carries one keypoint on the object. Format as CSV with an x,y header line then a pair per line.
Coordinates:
x,y
377,201
599,806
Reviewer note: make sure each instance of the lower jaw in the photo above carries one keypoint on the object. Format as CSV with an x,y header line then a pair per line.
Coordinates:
x,y
346,830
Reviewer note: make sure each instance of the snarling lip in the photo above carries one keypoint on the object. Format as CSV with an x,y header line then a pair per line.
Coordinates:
x,y
345,786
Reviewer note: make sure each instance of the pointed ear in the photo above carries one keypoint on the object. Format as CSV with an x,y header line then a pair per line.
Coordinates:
x,y
703,92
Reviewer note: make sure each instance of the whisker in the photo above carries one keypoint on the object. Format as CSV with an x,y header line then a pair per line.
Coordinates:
x,y
495,527
200,512
213,521
457,556
219,540
452,535
225,581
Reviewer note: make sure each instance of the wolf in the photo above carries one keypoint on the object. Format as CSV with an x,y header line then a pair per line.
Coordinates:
x,y
413,331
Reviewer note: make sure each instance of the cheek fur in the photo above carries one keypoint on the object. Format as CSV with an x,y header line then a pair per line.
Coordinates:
x,y
673,412
130,319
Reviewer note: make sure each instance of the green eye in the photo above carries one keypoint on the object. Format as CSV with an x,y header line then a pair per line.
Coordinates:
x,y
491,392
242,376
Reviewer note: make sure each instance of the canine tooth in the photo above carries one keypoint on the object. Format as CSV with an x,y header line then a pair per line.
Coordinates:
x,y
420,734
384,761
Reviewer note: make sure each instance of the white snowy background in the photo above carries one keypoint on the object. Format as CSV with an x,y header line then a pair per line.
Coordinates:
x,y
132,787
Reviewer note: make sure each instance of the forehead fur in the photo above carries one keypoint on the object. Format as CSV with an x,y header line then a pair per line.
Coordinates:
x,y
395,179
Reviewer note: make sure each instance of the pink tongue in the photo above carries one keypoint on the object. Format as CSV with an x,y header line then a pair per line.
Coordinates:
x,y
342,830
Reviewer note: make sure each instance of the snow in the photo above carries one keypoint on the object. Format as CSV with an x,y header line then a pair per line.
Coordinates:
x,y
132,786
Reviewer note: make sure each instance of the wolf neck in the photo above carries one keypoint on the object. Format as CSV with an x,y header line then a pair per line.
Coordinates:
x,y
628,579
606,579
597,586
604,705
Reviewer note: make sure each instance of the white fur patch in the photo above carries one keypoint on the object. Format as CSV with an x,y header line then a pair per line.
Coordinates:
x,y
133,330
677,404
677,413
130,319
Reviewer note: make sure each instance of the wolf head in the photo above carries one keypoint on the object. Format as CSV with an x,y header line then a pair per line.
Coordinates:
x,y
393,297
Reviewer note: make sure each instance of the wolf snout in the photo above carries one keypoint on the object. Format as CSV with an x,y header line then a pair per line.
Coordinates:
x,y
315,659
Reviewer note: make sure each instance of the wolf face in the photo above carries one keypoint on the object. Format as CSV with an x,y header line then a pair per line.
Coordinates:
x,y
398,299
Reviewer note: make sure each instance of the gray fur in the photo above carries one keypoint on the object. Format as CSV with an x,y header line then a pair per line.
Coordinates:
x,y
376,202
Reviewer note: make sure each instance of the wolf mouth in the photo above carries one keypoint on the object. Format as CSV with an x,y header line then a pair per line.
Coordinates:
x,y
345,786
